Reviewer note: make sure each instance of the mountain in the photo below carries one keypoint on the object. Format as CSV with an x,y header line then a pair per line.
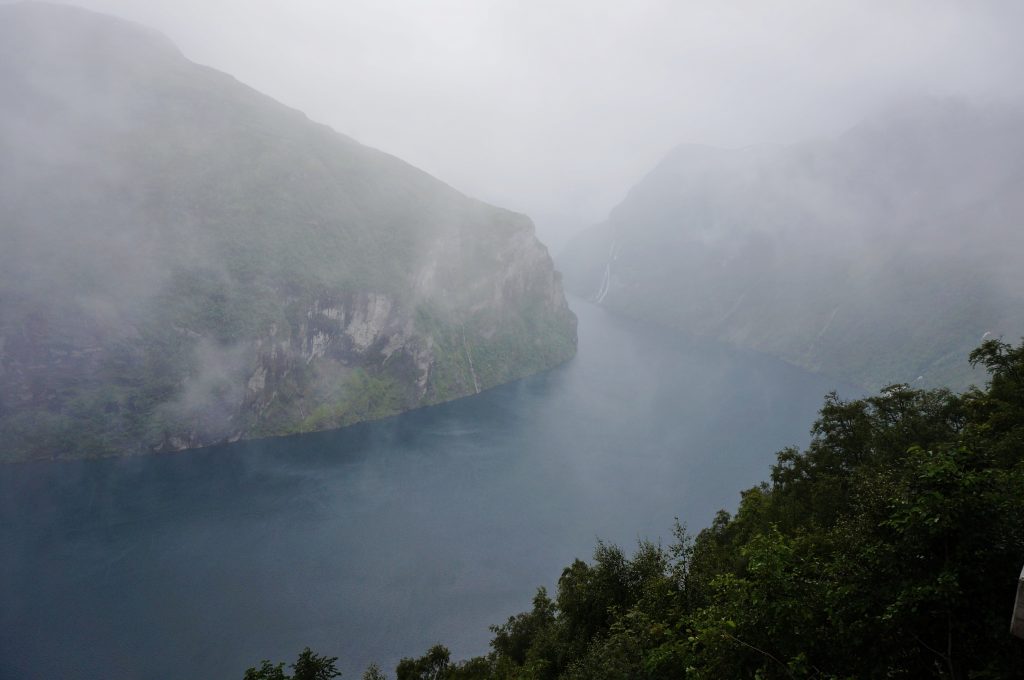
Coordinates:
x,y
885,253
186,261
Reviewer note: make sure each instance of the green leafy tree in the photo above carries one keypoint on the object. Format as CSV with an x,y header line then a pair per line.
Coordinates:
x,y
266,671
309,666
433,665
373,672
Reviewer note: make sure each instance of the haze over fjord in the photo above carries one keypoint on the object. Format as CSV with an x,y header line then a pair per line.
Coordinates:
x,y
186,262
556,109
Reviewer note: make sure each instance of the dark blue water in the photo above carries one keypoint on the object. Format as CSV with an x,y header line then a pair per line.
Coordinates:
x,y
374,542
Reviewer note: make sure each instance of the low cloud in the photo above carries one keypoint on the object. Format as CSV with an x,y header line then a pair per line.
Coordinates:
x,y
555,109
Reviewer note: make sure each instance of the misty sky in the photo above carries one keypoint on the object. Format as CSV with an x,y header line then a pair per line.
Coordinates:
x,y
557,108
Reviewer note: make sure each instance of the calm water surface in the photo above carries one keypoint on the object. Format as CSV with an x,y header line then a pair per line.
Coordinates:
x,y
374,542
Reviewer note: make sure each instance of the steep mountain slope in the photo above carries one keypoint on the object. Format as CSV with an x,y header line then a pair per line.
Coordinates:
x,y
886,253
186,261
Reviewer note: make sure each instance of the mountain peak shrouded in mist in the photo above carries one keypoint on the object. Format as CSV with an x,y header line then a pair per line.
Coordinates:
x,y
882,254
188,261
36,30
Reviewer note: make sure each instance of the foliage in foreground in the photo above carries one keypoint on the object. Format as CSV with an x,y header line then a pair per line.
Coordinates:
x,y
890,547
309,666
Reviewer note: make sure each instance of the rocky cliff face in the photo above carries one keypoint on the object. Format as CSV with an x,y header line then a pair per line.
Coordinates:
x,y
188,262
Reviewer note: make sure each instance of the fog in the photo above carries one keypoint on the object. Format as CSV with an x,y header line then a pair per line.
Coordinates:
x,y
556,109
186,263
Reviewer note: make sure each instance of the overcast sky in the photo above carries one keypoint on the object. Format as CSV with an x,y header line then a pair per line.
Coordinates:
x,y
557,108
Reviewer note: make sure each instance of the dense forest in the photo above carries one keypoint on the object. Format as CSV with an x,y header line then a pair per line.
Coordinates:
x,y
890,547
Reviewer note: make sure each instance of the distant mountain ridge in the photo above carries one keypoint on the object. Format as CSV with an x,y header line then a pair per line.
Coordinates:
x,y
187,261
886,253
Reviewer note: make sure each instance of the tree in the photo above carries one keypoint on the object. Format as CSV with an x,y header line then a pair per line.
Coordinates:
x,y
373,672
266,671
309,666
431,666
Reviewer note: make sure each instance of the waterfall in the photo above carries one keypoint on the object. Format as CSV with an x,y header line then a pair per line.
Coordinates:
x,y
606,280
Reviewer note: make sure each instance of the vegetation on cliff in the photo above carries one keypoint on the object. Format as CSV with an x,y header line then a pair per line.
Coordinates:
x,y
186,261
890,547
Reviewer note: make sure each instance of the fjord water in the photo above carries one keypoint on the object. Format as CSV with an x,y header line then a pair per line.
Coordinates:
x,y
377,541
